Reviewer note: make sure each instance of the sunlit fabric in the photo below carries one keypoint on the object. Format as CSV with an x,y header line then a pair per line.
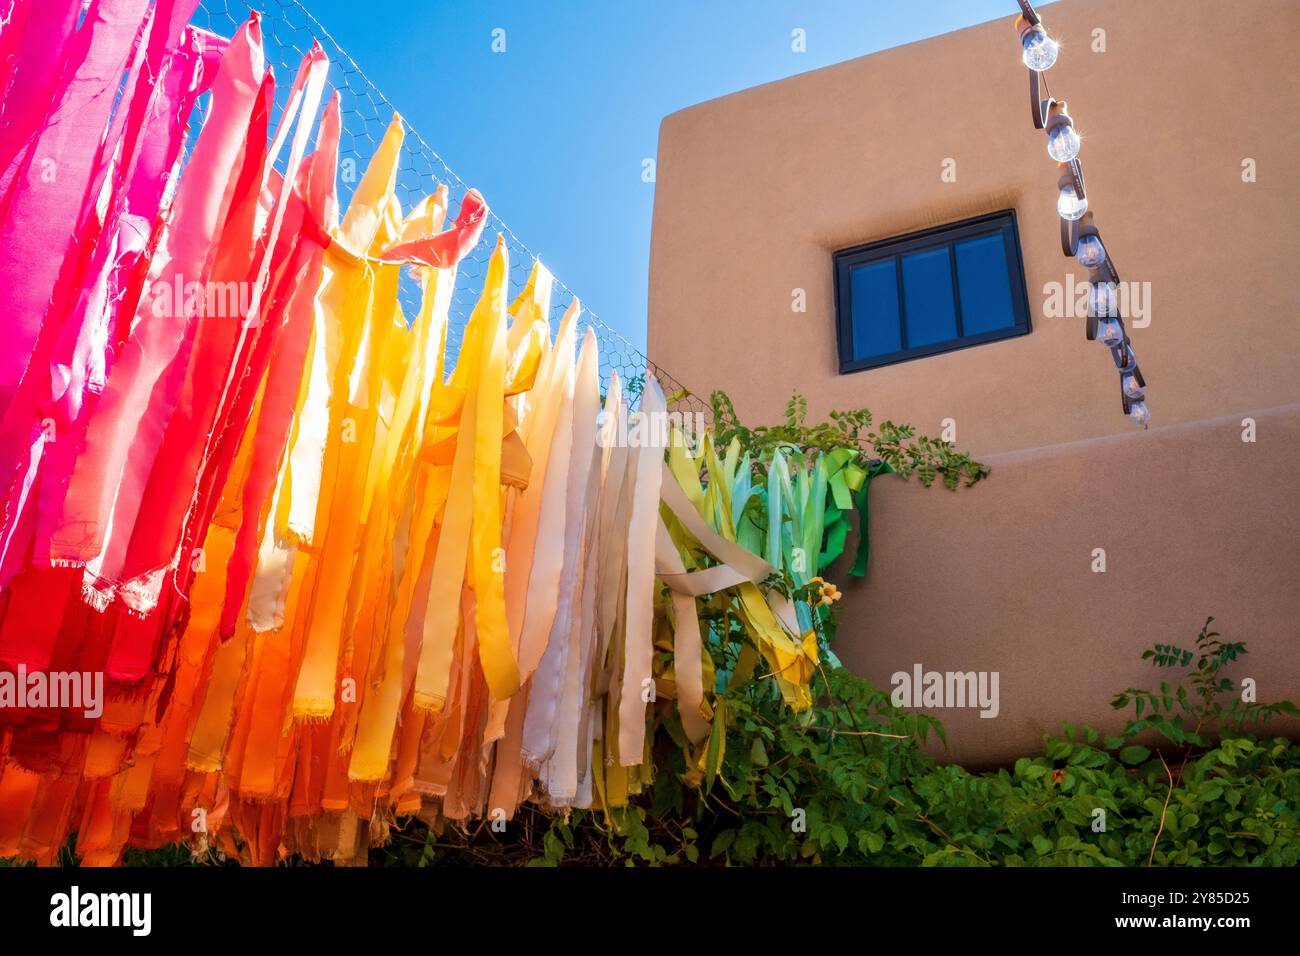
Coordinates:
x,y
328,572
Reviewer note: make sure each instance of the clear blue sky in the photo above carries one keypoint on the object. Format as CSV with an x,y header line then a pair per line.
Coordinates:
x,y
587,82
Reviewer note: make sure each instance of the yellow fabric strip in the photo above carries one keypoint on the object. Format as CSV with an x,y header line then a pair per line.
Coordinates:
x,y
474,498
355,309
496,653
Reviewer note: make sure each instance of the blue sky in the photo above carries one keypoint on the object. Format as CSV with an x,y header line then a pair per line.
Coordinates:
x,y
554,130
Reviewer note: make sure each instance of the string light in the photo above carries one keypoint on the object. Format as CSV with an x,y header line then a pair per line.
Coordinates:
x,y
1069,204
1110,333
1132,388
1101,299
1091,252
1038,50
1080,237
1062,141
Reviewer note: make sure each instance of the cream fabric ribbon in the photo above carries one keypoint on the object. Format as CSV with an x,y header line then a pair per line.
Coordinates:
x,y
739,566
646,471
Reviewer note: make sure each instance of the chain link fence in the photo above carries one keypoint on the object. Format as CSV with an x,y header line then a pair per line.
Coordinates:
x,y
288,30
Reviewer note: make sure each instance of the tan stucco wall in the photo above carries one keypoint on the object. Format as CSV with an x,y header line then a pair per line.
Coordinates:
x,y
756,191
999,577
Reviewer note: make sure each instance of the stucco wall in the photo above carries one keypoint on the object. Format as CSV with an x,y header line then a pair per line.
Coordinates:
x,y
756,191
1194,522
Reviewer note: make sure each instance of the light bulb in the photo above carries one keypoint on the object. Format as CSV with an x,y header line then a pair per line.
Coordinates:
x,y
1063,143
1101,299
1132,388
1070,206
1040,50
1124,358
1140,414
1110,333
1091,252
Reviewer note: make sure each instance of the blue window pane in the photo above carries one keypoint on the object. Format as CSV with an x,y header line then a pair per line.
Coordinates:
x,y
875,309
927,294
985,284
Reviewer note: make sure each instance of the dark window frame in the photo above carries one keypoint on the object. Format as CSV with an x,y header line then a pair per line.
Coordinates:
x,y
937,237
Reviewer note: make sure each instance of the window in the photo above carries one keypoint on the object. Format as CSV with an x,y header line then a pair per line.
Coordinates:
x,y
930,292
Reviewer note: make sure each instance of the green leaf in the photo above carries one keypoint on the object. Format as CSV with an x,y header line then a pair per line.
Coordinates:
x,y
717,744
1134,754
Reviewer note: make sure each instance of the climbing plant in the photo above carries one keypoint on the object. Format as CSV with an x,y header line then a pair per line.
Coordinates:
x,y
815,474
850,782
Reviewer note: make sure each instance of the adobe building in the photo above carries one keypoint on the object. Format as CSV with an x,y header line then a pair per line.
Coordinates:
x,y
1189,141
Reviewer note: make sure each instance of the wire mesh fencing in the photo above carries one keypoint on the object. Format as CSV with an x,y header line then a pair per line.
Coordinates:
x,y
288,30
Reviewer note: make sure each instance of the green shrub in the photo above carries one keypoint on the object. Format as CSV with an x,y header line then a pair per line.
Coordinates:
x,y
849,783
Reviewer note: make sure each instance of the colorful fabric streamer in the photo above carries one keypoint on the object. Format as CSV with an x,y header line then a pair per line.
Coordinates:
x,y
276,566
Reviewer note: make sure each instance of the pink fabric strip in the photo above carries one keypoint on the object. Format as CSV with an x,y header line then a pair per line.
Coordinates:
x,y
285,374
205,344
42,242
199,373
168,32
13,16
223,347
157,334
71,348
86,348
278,348
40,43
51,184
